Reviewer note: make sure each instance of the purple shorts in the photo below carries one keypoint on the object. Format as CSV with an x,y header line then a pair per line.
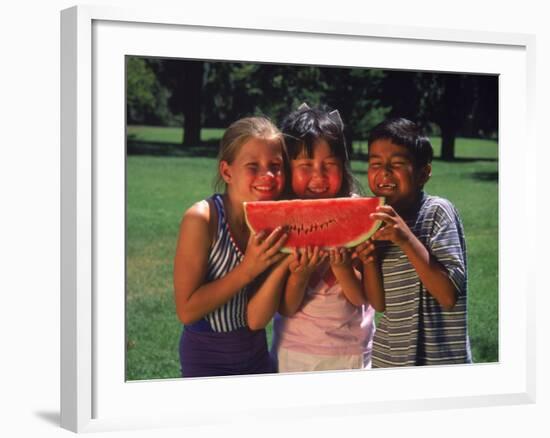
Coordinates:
x,y
206,353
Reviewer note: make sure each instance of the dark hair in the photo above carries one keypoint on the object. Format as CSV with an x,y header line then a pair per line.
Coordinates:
x,y
404,133
306,126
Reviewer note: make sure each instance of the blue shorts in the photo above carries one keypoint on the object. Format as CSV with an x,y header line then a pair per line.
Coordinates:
x,y
208,353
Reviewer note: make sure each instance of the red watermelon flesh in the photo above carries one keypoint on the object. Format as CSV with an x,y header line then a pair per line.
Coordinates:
x,y
327,223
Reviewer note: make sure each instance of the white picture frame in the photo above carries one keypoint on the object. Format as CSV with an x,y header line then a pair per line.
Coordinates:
x,y
94,395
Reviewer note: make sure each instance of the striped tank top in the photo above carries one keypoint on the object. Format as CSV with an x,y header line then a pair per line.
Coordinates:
x,y
224,256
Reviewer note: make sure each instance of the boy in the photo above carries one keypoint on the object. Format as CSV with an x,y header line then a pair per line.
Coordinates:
x,y
416,273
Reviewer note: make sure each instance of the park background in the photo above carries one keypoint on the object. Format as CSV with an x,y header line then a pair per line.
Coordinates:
x,y
29,177
176,114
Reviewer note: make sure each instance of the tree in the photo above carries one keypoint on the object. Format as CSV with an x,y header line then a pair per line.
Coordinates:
x,y
191,101
146,98
456,103
353,92
185,80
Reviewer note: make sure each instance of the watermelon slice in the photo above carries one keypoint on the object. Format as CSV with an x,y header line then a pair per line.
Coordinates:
x,y
327,223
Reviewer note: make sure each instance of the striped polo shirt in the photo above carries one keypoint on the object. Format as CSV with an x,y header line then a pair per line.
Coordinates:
x,y
224,256
415,329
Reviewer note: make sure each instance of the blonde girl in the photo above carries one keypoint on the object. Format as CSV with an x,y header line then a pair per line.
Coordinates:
x,y
218,261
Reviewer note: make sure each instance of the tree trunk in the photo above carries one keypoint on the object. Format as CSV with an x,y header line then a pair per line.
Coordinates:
x,y
448,135
451,114
192,99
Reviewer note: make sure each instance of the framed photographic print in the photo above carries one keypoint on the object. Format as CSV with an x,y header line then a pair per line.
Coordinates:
x,y
125,186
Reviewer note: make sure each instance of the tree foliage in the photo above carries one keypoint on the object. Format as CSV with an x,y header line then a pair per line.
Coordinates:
x,y
146,98
213,94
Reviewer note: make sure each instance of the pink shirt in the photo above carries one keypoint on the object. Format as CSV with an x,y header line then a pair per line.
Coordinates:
x,y
326,323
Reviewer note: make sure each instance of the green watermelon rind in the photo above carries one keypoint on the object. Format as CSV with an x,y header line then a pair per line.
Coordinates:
x,y
360,239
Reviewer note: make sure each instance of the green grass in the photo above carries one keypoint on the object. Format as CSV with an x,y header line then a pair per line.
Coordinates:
x,y
169,135
160,189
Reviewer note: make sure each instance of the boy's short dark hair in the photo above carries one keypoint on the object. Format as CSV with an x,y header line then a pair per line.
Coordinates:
x,y
403,132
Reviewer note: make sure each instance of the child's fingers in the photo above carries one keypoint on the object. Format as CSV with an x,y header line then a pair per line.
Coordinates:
x,y
274,249
287,260
361,246
383,217
256,237
277,257
298,255
386,209
273,237
378,235
368,252
366,247
302,256
314,259
342,255
383,234
321,256
294,265
345,255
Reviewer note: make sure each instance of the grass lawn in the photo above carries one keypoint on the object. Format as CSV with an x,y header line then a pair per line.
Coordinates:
x,y
160,189
163,134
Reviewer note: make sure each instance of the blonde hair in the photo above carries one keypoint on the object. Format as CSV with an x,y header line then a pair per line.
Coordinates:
x,y
238,133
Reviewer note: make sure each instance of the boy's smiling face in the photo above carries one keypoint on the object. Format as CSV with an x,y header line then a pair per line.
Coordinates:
x,y
393,174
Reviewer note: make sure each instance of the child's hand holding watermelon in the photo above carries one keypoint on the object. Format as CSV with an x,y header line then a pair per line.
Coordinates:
x,y
339,258
366,252
341,265
262,253
395,228
306,260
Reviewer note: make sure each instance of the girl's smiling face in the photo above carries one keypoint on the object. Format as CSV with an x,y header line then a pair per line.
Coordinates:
x,y
319,176
392,174
256,173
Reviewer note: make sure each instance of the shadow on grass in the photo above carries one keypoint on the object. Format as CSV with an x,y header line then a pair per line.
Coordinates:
x,y
165,149
485,176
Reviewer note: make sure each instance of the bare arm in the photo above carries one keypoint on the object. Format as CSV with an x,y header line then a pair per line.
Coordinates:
x,y
302,265
266,300
373,283
293,295
432,274
195,298
340,263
